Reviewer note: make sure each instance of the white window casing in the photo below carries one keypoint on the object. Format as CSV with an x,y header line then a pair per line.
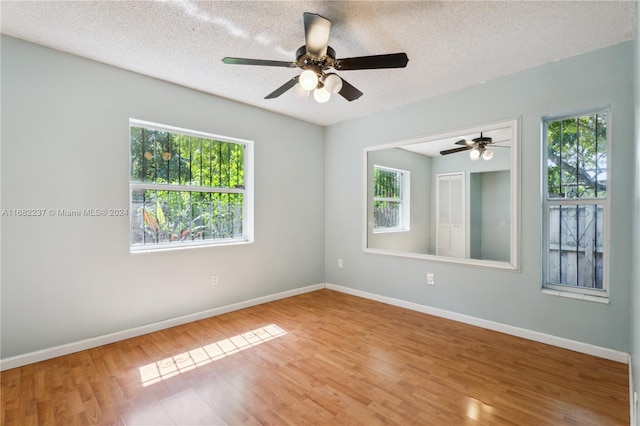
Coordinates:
x,y
188,188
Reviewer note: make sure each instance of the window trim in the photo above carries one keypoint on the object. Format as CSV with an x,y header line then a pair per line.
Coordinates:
x,y
547,201
247,191
405,201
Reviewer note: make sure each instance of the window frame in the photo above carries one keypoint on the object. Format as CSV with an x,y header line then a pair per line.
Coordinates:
x,y
404,203
246,191
585,293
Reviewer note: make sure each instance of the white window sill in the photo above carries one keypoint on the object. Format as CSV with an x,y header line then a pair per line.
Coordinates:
x,y
390,230
579,296
154,248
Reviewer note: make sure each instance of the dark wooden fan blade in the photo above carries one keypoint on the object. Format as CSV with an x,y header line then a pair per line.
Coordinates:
x,y
454,150
316,33
266,63
392,60
349,92
280,90
464,142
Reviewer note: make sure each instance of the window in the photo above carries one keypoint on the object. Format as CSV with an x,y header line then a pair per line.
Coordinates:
x,y
390,199
188,188
576,203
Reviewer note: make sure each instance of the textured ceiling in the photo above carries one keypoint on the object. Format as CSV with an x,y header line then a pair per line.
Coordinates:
x,y
450,44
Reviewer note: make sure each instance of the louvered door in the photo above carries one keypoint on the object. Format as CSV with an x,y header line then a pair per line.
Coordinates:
x,y
450,214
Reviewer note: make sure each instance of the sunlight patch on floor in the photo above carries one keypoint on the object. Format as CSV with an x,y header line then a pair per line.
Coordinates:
x,y
183,362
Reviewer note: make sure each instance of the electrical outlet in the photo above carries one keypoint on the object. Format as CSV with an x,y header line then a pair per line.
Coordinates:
x,y
340,263
214,279
431,279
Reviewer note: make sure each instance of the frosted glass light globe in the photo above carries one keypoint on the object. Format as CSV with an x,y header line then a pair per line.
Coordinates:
x,y
300,92
321,95
333,83
474,154
487,154
308,80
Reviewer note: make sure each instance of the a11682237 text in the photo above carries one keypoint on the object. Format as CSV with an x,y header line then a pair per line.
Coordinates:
x,y
85,212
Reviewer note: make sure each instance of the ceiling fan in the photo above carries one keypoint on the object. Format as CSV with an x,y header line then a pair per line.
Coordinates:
x,y
315,58
480,147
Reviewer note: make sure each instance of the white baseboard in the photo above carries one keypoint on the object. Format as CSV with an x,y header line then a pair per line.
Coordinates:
x,y
44,354
549,339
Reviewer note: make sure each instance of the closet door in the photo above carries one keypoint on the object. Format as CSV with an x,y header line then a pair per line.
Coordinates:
x,y
450,213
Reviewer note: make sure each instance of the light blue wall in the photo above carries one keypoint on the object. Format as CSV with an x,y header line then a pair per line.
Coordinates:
x,y
596,79
65,145
490,203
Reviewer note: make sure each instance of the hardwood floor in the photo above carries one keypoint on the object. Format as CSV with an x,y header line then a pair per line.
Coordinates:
x,y
320,358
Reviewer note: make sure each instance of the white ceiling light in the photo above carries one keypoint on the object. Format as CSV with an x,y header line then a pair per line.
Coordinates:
x,y
487,154
333,83
300,92
308,80
474,154
321,95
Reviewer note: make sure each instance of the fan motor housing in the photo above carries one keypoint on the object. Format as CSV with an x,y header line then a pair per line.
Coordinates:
x,y
482,140
315,63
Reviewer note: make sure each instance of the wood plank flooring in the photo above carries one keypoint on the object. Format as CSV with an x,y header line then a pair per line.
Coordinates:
x,y
319,358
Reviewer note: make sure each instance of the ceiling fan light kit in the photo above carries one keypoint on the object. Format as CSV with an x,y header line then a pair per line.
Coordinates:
x,y
308,80
487,154
322,86
315,58
321,95
333,83
300,92
477,147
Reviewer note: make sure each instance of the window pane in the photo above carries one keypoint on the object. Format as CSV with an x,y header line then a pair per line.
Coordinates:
x,y
577,157
387,183
175,216
575,251
386,214
161,157
553,162
390,205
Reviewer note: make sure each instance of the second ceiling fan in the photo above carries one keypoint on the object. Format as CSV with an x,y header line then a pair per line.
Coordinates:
x,y
316,57
480,147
